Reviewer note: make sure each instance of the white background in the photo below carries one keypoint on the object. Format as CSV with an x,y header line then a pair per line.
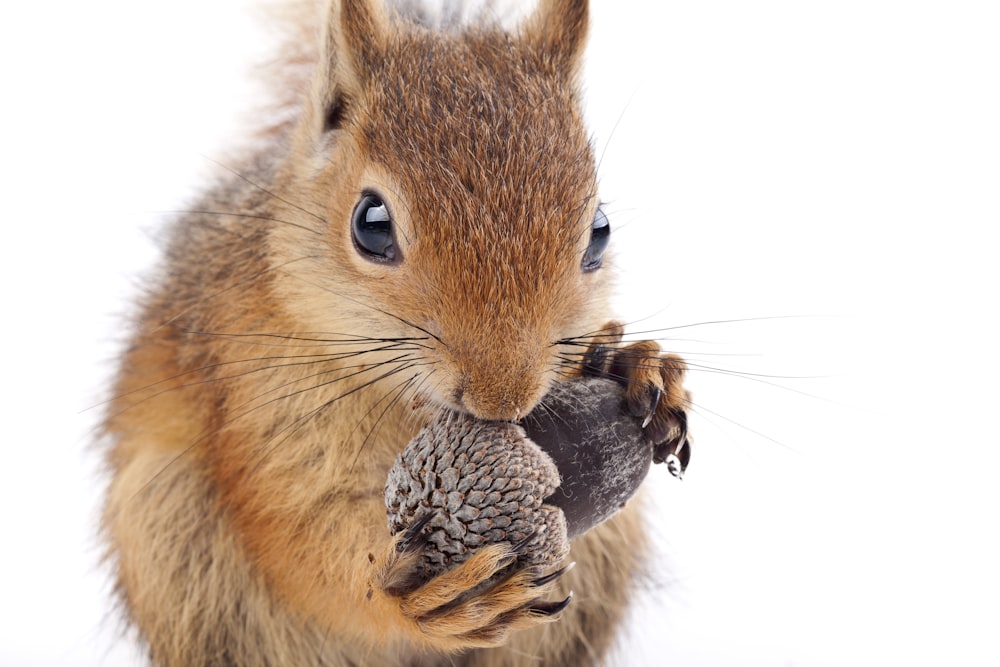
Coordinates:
x,y
838,162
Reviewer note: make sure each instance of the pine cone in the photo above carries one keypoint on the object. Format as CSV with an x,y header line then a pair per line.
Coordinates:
x,y
484,482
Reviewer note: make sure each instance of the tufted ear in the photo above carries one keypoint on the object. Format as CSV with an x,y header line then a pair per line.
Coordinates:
x,y
353,42
558,29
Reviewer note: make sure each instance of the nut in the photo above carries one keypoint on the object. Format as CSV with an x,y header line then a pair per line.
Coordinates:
x,y
572,464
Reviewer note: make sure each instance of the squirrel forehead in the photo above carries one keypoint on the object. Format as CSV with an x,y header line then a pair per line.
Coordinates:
x,y
478,112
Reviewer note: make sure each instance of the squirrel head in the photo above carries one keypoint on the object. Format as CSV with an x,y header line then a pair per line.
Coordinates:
x,y
458,189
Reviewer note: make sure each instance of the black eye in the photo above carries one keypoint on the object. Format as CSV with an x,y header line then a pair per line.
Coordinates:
x,y
371,228
600,234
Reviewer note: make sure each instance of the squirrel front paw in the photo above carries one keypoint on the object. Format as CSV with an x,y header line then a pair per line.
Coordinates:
x,y
653,386
476,604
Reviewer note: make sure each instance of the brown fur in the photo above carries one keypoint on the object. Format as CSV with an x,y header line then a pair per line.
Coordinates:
x,y
245,516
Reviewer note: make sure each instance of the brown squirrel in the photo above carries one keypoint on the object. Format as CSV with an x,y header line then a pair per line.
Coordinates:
x,y
424,232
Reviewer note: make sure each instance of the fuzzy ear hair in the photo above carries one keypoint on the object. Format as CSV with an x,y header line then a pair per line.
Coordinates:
x,y
558,29
353,41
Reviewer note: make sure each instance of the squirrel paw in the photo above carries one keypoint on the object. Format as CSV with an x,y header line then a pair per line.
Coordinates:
x,y
654,390
477,604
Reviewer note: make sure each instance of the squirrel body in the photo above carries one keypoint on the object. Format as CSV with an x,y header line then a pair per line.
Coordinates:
x,y
289,349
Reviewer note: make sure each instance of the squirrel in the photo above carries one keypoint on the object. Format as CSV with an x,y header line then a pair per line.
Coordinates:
x,y
423,232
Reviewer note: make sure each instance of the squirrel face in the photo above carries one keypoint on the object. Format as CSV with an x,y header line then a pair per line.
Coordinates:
x,y
459,187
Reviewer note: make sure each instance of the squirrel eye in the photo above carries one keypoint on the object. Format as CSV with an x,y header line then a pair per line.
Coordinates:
x,y
600,234
371,229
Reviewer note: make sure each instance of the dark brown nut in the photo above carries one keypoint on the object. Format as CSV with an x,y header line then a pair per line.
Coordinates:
x,y
601,450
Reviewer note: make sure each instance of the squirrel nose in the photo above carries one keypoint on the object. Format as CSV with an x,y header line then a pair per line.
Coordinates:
x,y
483,407
503,412
499,399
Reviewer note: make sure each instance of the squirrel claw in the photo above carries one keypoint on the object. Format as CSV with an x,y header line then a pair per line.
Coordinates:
x,y
549,578
653,404
675,451
408,542
595,361
544,608
521,546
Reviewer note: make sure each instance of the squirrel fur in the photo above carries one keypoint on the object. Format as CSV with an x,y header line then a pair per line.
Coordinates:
x,y
276,367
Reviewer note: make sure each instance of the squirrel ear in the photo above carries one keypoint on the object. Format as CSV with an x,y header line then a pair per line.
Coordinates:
x,y
558,29
354,37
